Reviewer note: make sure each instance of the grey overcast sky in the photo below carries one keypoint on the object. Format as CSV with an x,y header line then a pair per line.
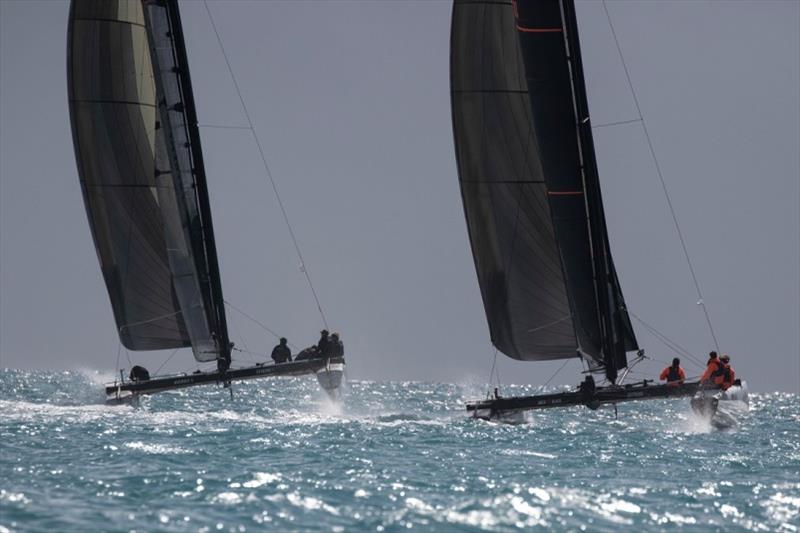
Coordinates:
x,y
350,100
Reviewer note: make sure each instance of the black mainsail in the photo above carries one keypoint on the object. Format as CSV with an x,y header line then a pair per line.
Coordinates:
x,y
142,175
529,184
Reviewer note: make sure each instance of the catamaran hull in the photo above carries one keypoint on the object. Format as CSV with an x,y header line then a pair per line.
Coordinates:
x,y
127,392
330,379
123,398
502,408
722,409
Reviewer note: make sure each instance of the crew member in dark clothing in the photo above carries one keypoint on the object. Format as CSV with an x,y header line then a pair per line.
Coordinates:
x,y
336,346
587,388
139,373
223,357
281,353
324,344
674,374
224,360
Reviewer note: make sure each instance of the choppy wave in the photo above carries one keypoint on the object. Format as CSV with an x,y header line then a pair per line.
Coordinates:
x,y
395,455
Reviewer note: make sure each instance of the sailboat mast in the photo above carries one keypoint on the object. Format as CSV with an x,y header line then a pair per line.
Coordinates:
x,y
612,344
212,285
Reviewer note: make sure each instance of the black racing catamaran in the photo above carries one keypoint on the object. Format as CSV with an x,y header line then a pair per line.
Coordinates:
x,y
532,201
141,169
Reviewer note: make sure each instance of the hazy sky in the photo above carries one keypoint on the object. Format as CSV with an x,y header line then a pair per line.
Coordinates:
x,y
350,100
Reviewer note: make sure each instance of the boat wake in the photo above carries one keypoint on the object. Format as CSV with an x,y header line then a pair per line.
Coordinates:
x,y
723,409
695,424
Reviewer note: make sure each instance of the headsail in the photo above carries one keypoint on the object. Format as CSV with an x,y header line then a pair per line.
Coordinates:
x,y
529,184
141,170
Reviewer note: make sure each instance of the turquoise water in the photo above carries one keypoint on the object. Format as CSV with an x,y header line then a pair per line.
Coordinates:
x,y
393,456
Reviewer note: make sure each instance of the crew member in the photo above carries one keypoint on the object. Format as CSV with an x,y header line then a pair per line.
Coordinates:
x,y
719,373
712,358
224,360
728,375
324,344
336,346
674,374
139,373
281,353
587,389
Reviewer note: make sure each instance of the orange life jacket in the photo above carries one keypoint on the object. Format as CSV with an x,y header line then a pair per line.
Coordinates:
x,y
673,375
723,375
708,375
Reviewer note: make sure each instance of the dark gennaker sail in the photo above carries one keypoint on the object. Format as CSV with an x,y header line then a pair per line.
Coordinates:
x,y
142,175
529,184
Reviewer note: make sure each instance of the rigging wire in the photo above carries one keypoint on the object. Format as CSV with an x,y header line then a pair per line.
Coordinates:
x,y
165,362
669,343
242,339
119,349
491,376
222,127
260,355
546,383
701,301
253,320
252,129
618,123
666,341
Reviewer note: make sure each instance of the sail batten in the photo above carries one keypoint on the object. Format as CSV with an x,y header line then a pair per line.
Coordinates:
x,y
142,175
529,183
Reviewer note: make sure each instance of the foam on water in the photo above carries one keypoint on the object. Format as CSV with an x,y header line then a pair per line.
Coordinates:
x,y
393,455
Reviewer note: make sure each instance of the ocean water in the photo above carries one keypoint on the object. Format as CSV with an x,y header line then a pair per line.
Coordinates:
x,y
392,456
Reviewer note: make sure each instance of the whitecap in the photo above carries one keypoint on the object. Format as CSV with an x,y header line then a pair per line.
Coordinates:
x,y
310,503
158,449
261,478
529,453
539,493
227,498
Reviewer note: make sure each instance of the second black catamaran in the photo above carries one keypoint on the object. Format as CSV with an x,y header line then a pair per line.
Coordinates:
x,y
141,169
532,201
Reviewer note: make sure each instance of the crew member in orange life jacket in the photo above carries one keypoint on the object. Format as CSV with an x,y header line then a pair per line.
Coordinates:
x,y
719,372
728,375
673,374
